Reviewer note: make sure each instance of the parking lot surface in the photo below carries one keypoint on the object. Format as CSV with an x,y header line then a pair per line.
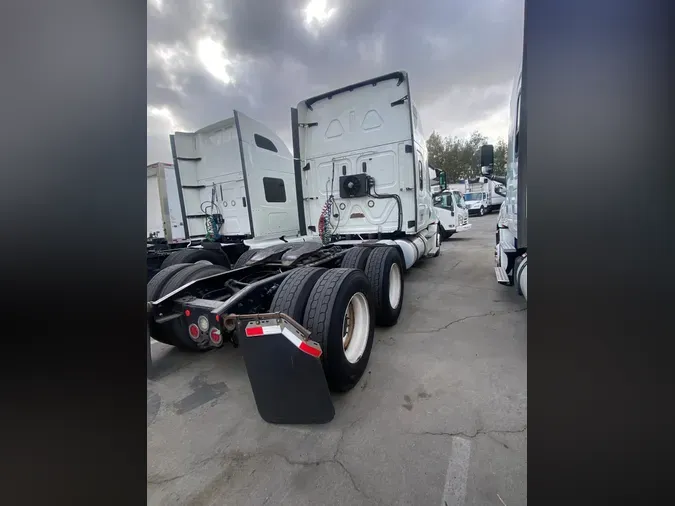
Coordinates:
x,y
439,418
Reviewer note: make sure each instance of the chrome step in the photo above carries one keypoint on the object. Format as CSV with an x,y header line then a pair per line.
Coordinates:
x,y
502,277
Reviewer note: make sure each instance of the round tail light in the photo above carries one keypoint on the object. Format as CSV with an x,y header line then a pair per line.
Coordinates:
x,y
215,336
203,323
194,331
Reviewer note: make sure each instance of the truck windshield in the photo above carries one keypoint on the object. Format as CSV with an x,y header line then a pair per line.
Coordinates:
x,y
459,200
473,196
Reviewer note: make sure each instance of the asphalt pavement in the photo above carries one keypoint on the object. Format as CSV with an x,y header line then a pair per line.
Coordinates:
x,y
439,418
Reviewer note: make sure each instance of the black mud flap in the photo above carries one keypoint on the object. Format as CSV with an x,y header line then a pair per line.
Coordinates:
x,y
285,371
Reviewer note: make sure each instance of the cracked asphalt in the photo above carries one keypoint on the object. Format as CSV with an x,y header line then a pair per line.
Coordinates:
x,y
439,418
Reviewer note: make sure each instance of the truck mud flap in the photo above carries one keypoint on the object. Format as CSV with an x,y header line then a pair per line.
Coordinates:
x,y
285,371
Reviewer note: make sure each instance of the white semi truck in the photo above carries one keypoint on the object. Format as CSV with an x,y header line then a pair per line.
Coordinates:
x,y
234,181
303,308
511,236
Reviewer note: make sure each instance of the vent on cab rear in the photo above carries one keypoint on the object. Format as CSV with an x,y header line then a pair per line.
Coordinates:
x,y
353,186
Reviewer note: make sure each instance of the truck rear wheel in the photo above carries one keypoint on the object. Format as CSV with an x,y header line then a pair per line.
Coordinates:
x,y
245,257
157,283
356,258
385,273
189,255
154,292
181,277
339,315
293,293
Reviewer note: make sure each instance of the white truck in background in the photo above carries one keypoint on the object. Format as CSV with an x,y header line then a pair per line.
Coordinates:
x,y
511,237
303,308
234,181
452,213
481,196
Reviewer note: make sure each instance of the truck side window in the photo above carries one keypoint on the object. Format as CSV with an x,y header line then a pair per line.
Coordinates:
x,y
275,189
264,143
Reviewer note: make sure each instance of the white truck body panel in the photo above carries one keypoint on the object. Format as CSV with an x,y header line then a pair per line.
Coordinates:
x,y
511,201
164,218
507,225
246,170
360,129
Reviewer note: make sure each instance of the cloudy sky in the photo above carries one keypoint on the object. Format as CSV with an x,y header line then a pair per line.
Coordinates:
x,y
208,57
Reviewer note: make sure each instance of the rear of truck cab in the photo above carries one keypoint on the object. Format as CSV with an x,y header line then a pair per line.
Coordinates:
x,y
240,171
359,148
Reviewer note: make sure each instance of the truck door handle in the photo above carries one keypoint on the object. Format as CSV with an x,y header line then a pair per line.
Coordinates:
x,y
243,201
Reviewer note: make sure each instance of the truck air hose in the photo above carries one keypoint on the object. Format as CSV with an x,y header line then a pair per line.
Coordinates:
x,y
372,193
213,221
324,222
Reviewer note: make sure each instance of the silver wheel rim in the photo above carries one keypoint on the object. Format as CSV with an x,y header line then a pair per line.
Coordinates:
x,y
394,285
355,327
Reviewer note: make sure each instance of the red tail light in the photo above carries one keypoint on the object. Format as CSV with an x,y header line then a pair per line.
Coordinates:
x,y
215,336
194,331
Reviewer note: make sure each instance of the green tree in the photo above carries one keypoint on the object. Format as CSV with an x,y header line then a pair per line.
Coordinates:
x,y
501,151
458,157
436,150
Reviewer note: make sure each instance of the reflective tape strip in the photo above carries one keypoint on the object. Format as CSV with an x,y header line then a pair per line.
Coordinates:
x,y
261,331
288,334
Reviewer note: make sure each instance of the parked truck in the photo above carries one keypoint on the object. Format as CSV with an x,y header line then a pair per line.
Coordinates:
x,y
511,233
453,215
302,308
481,196
235,182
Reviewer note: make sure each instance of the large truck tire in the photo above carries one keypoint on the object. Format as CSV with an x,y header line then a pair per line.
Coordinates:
x,y
293,293
339,314
181,277
356,258
245,257
385,273
157,283
191,255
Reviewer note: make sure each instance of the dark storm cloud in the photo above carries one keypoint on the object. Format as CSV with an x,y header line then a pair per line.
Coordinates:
x,y
461,56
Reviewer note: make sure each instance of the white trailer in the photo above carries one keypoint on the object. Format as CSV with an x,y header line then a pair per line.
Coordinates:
x,y
303,308
163,211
